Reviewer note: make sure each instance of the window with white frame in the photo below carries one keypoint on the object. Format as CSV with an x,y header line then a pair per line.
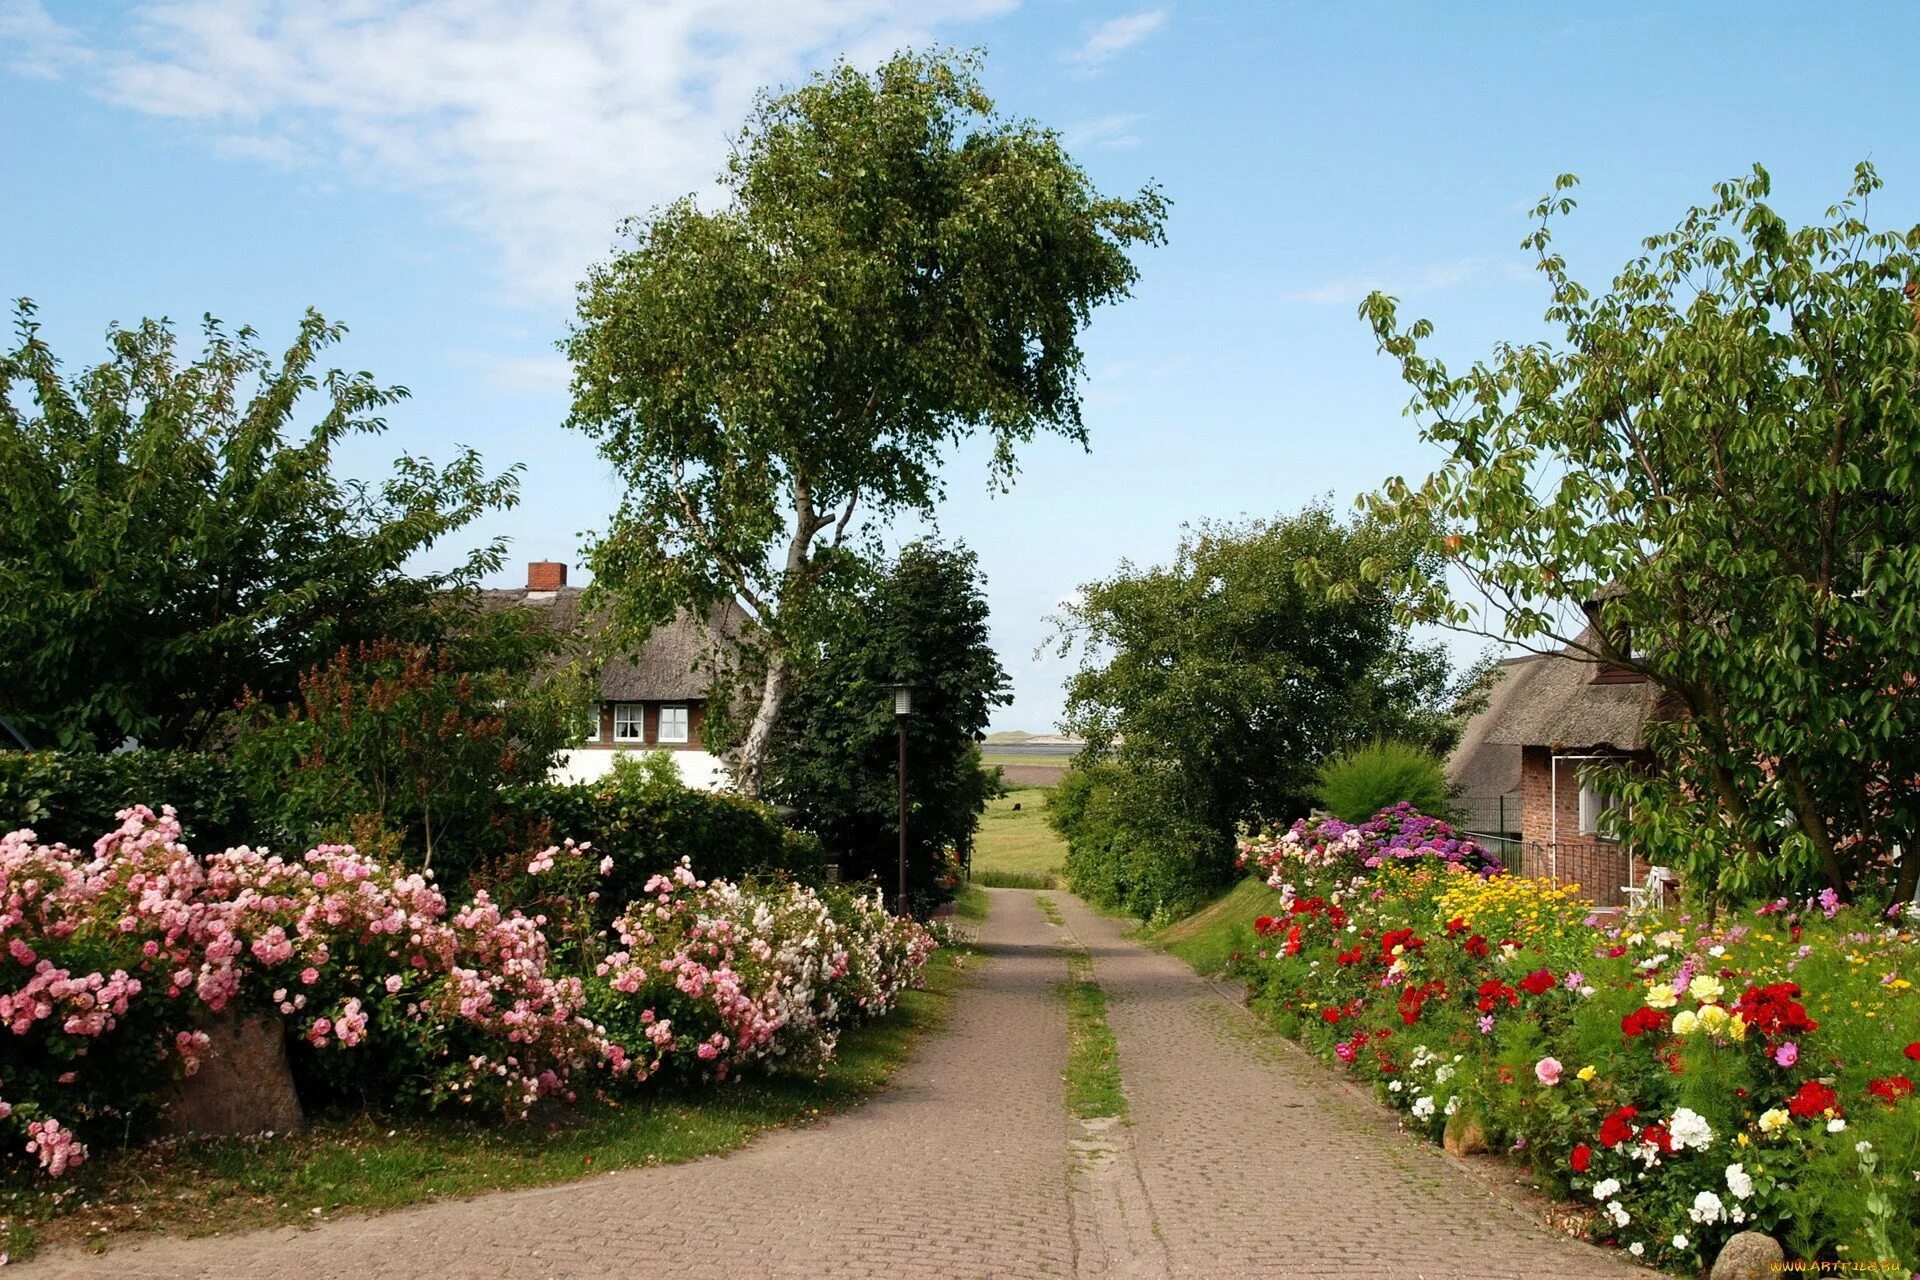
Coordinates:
x,y
673,724
1593,803
590,723
629,722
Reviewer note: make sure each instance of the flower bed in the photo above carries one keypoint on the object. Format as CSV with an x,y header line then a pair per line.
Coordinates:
x,y
110,961
1688,1079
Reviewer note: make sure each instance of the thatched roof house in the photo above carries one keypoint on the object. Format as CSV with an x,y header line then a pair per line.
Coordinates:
x,y
653,699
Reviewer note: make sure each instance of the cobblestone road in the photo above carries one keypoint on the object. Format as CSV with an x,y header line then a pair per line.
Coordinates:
x,y
1252,1162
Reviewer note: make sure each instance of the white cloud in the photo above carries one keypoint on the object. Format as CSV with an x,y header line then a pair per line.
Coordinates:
x,y
537,124
1116,35
1410,280
1108,133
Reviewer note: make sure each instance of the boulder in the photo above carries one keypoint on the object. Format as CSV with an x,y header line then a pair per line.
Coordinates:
x,y
1750,1255
1465,1135
243,1086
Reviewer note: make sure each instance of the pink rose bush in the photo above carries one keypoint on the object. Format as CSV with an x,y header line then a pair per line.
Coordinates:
x,y
112,960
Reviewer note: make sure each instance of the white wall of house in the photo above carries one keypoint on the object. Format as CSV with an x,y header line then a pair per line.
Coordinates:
x,y
698,769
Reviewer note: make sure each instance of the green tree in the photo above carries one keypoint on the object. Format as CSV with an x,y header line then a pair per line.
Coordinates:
x,y
1710,479
165,547
404,747
1356,784
1257,654
921,620
896,268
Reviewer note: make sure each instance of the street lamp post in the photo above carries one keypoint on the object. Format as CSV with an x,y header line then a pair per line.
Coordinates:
x,y
902,708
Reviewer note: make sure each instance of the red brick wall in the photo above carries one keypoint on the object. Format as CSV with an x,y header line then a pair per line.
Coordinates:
x,y
1598,866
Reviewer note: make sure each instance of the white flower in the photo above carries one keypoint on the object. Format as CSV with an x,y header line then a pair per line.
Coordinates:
x,y
1690,1129
1707,1208
1739,1181
1836,1125
1423,1108
1679,1240
1393,1086
1636,1248
1443,1075
1619,1215
1606,1188
1862,1146
1453,1104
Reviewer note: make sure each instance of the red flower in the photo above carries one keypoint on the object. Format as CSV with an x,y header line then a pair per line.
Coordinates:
x,y
1890,1089
1265,924
1457,925
1812,1099
1293,940
1540,980
1641,1021
1913,1051
1582,1157
1615,952
1351,955
1476,947
1657,1135
1773,1010
1618,1126
1330,1014
1493,992
1402,938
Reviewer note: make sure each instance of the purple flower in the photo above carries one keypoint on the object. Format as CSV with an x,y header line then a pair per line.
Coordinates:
x,y
1830,902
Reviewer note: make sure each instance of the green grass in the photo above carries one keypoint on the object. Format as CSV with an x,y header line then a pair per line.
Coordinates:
x,y
1207,938
365,1163
1015,848
1093,1056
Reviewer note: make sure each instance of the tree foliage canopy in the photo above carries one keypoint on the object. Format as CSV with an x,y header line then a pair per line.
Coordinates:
x,y
1253,657
921,620
166,547
1713,467
895,268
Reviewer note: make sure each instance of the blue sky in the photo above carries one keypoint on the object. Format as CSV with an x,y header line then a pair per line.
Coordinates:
x,y
437,174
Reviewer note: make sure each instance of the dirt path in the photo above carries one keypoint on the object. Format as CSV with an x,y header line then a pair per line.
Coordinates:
x,y
1239,1160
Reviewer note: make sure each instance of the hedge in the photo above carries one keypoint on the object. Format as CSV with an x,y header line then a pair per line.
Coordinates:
x,y
72,796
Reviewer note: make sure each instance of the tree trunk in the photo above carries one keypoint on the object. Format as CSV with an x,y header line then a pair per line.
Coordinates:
x,y
1814,824
753,751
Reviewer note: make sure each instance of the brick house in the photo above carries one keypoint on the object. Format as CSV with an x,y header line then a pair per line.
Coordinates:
x,y
1522,768
651,700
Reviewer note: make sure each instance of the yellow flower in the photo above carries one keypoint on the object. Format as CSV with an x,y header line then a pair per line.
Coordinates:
x,y
1684,1022
1705,988
1737,1027
1774,1121
1587,1072
1661,996
1713,1017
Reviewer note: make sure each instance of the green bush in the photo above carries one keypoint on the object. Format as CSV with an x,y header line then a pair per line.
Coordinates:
x,y
72,796
1358,784
1132,846
643,817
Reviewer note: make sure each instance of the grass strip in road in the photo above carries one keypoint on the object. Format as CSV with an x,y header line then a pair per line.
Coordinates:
x,y
363,1163
1093,1056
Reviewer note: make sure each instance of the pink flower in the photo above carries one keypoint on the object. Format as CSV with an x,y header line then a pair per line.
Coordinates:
x,y
393,984
309,975
1787,1054
1547,1071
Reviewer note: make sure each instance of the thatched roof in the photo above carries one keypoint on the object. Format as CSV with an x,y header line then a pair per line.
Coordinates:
x,y
1559,704
669,665
1481,768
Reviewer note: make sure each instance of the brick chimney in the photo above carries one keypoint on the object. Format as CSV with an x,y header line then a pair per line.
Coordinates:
x,y
546,575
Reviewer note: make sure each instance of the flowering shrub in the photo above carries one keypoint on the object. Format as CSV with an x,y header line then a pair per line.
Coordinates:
x,y
110,962
713,976
1328,845
1689,1081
